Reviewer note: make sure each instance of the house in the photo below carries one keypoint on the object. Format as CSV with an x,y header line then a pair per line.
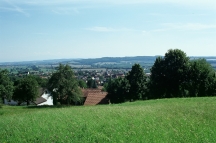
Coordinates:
x,y
94,97
43,98
89,90
91,97
118,75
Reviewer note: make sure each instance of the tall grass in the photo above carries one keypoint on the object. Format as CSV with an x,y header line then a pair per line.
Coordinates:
x,y
166,120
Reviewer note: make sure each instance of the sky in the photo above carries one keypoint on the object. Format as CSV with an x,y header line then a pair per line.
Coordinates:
x,y
64,29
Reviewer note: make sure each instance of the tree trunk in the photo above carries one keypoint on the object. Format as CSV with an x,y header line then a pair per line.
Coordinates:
x,y
54,99
18,103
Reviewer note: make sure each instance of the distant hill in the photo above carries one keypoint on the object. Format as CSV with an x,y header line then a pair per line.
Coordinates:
x,y
146,59
143,60
38,62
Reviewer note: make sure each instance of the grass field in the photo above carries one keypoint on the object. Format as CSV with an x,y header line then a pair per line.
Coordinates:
x,y
167,120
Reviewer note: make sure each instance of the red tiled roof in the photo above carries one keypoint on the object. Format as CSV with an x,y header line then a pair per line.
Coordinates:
x,y
96,98
89,90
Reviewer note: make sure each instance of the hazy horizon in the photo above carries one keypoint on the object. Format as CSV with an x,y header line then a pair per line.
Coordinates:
x,y
96,58
63,29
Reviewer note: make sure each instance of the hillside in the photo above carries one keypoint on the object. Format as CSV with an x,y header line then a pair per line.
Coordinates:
x,y
98,61
165,120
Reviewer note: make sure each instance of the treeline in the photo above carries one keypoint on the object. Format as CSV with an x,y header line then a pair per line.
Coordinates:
x,y
64,87
173,75
20,89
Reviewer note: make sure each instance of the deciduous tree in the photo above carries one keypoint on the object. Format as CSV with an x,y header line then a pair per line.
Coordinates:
x,y
169,75
156,84
91,83
137,81
82,84
202,78
64,86
118,90
26,90
6,85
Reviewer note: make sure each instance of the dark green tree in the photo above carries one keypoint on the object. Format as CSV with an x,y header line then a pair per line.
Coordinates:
x,y
82,84
176,72
6,86
91,83
137,81
201,78
26,90
156,84
169,75
64,86
95,84
42,82
105,87
214,86
118,90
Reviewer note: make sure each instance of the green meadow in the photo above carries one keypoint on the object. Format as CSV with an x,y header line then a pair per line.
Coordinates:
x,y
165,120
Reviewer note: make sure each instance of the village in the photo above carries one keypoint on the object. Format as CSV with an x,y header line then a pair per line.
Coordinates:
x,y
91,95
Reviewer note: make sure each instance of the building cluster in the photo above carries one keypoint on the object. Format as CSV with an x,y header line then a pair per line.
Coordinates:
x,y
91,96
100,76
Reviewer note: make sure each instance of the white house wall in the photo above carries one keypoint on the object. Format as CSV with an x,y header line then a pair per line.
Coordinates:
x,y
45,96
48,98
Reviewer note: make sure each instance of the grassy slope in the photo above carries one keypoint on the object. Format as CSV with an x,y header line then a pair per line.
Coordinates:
x,y
167,120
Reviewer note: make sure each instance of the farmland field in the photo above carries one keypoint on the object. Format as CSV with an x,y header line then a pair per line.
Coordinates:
x,y
166,120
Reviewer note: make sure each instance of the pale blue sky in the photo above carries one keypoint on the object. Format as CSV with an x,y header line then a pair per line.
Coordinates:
x,y
53,29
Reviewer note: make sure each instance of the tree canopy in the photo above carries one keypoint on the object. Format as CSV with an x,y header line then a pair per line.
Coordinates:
x,y
132,87
201,78
91,83
42,82
6,85
118,90
137,81
169,74
82,84
26,90
64,86
175,75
